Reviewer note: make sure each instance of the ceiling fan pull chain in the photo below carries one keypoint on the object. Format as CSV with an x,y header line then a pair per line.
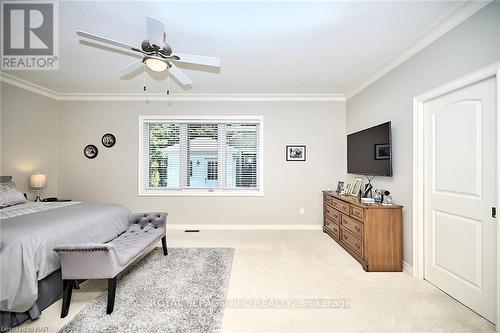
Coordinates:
x,y
168,83
144,78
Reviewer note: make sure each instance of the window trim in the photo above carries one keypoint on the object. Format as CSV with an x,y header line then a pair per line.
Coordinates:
x,y
142,191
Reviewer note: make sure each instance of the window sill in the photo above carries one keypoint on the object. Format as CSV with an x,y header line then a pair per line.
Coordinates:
x,y
194,193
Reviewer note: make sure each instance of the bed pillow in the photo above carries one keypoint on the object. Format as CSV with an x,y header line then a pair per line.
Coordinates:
x,y
5,179
10,196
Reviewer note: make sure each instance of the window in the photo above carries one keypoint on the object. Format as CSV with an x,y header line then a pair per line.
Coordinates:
x,y
182,156
212,170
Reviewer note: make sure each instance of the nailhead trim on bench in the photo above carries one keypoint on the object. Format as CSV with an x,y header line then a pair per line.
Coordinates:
x,y
83,250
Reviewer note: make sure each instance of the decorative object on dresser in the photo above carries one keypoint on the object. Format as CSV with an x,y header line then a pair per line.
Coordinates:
x,y
108,140
37,182
340,187
356,186
347,190
371,233
296,153
90,151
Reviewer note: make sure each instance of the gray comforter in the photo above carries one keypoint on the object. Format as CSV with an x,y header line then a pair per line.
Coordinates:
x,y
26,244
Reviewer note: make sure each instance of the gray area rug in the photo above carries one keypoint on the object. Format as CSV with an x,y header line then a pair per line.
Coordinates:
x,y
182,292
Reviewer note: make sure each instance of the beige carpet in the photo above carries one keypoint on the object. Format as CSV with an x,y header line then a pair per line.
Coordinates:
x,y
308,264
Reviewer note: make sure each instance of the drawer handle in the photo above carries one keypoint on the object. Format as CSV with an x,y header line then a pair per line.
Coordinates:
x,y
345,237
358,246
356,213
358,229
326,223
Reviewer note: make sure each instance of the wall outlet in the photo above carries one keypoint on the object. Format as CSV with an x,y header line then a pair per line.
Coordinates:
x,y
301,211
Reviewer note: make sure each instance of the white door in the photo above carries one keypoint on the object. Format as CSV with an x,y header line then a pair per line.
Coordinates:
x,y
460,182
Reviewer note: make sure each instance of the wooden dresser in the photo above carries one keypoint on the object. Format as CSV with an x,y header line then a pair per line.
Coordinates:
x,y
371,233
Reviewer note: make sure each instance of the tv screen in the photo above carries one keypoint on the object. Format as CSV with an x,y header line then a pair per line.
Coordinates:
x,y
369,151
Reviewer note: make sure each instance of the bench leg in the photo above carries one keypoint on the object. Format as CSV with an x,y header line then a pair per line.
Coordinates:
x,y
67,290
111,295
164,245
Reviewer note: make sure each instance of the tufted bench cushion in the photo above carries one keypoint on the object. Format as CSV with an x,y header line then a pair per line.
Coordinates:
x,y
143,227
98,261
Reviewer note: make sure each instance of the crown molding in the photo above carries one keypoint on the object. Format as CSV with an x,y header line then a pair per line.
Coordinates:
x,y
27,85
23,84
453,18
206,97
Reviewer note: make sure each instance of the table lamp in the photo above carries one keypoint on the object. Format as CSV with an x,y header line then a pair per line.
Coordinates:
x,y
38,182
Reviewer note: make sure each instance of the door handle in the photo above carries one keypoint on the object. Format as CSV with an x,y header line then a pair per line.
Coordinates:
x,y
494,212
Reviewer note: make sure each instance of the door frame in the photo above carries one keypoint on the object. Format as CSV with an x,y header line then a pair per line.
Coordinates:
x,y
418,165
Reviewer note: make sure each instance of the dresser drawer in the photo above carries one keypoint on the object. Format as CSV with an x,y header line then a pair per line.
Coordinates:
x,y
352,225
357,213
328,199
352,241
333,228
340,205
332,214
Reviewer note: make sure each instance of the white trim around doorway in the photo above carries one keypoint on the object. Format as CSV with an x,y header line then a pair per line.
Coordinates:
x,y
418,165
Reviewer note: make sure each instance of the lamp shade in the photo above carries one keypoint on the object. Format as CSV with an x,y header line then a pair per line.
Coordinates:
x,y
38,181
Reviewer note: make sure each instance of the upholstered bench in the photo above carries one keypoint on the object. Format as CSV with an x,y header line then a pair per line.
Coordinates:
x,y
106,261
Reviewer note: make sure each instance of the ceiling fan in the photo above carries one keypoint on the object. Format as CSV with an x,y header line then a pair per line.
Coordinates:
x,y
157,54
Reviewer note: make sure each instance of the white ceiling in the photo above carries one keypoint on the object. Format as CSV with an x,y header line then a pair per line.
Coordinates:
x,y
264,47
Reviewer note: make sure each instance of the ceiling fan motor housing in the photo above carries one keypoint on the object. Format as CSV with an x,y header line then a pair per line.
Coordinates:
x,y
148,47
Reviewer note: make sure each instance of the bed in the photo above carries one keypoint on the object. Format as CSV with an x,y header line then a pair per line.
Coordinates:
x,y
30,269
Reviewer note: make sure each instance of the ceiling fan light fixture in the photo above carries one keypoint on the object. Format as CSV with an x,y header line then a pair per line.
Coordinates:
x,y
155,64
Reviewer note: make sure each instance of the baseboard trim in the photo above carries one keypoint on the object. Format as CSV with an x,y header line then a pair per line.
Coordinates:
x,y
407,268
244,226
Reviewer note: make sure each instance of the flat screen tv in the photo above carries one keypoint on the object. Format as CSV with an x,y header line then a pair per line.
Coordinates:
x,y
369,151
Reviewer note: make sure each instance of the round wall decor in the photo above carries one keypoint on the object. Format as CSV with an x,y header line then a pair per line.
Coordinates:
x,y
90,151
108,140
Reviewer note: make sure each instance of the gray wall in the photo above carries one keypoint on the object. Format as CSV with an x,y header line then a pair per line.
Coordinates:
x,y
289,186
29,137
468,47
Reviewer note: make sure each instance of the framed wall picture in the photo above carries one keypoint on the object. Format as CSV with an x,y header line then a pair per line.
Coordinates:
x,y
382,151
108,140
90,151
295,153
356,186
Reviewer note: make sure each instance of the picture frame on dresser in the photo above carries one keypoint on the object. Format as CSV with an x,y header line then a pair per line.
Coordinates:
x,y
340,187
356,187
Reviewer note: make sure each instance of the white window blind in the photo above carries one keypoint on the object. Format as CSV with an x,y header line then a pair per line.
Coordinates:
x,y
195,155
162,155
241,155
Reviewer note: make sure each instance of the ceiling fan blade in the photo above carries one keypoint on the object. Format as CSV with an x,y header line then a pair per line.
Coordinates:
x,y
197,59
106,40
131,65
156,31
179,75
